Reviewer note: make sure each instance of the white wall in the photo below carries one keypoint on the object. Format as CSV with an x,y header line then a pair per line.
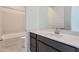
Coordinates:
x,y
72,18
56,16
67,17
32,16
75,18
43,17
36,18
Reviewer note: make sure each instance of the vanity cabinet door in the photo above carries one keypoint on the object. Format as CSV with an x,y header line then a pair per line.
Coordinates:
x,y
41,47
77,49
33,42
33,49
57,45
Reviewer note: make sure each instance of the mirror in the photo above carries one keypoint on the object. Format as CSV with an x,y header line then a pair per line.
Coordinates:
x,y
64,17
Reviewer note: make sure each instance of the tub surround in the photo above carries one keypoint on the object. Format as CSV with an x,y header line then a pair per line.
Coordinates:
x,y
12,29
64,36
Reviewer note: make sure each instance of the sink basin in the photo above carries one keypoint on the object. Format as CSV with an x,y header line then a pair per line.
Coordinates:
x,y
55,35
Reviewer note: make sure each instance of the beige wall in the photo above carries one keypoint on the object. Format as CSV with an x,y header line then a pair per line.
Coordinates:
x,y
12,21
0,25
51,17
56,16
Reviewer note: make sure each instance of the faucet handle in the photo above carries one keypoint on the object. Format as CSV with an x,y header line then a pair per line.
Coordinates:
x,y
57,31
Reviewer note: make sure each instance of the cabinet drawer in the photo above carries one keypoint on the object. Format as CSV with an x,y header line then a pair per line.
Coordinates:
x,y
32,35
58,45
44,48
33,41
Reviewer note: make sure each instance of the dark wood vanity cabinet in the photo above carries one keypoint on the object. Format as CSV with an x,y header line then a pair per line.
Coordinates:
x,y
39,43
41,47
33,42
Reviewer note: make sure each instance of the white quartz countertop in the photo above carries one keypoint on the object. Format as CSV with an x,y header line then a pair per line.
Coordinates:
x,y
63,37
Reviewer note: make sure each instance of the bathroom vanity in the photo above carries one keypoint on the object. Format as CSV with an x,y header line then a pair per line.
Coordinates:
x,y
43,42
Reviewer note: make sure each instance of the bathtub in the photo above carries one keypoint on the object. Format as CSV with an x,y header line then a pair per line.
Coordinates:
x,y
13,42
13,35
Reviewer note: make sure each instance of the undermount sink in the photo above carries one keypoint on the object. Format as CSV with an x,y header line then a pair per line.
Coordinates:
x,y
55,35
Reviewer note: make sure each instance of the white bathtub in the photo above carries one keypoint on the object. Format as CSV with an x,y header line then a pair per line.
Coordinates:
x,y
12,42
13,35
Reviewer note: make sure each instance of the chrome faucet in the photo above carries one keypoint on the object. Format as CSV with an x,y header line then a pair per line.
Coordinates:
x,y
57,30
